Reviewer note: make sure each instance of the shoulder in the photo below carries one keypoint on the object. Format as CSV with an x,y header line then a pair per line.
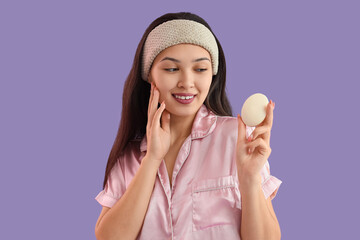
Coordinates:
x,y
229,125
226,126
132,152
226,123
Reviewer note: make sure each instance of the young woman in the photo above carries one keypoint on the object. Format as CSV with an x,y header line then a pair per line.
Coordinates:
x,y
185,169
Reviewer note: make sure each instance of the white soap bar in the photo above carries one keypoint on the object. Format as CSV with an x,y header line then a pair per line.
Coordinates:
x,y
253,111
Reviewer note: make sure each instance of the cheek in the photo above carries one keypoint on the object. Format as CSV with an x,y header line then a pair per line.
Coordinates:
x,y
204,85
164,88
164,92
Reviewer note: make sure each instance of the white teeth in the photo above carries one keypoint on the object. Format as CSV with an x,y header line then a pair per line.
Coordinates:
x,y
181,97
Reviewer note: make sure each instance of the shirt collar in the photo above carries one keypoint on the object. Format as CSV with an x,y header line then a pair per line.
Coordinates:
x,y
204,124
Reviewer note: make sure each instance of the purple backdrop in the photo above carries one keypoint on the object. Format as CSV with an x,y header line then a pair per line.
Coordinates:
x,y
62,69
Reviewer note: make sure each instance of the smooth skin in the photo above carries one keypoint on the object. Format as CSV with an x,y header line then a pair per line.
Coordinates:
x,y
172,122
182,68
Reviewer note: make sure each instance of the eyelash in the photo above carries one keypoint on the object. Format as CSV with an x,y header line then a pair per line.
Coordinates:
x,y
203,69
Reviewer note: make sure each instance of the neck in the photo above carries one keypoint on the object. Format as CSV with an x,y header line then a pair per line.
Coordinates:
x,y
180,127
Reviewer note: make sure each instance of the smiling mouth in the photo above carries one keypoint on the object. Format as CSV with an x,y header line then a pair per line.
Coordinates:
x,y
183,97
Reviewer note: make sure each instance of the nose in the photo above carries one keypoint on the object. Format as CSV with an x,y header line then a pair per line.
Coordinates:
x,y
186,80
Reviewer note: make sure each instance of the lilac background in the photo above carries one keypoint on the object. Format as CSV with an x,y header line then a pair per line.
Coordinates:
x,y
62,69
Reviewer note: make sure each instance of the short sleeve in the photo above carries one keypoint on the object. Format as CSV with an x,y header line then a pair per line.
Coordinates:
x,y
114,188
270,184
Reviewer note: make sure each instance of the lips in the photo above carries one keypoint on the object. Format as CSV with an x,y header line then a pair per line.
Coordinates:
x,y
184,101
184,94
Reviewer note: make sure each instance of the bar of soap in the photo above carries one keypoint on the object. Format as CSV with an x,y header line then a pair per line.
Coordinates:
x,y
253,111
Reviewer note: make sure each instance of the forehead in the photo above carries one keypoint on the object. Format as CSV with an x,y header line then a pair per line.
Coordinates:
x,y
183,52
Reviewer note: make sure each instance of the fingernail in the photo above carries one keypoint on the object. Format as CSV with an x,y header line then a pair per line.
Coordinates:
x,y
272,104
249,138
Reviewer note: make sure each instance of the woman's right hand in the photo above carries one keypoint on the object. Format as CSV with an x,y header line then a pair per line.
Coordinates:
x,y
158,137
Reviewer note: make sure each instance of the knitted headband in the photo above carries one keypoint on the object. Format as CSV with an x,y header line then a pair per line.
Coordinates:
x,y
175,32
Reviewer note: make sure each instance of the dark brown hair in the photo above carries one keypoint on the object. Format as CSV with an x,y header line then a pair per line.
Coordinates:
x,y
136,94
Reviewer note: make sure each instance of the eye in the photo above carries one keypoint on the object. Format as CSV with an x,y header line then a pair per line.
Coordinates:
x,y
169,69
202,69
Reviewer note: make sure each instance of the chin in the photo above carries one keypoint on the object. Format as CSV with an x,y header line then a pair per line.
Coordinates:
x,y
183,111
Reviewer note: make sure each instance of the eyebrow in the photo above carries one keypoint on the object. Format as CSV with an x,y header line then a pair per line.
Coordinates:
x,y
176,60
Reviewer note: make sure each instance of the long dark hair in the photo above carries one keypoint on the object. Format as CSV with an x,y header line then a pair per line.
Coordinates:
x,y
136,94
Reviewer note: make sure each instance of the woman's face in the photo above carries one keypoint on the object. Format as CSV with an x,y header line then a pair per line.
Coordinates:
x,y
179,69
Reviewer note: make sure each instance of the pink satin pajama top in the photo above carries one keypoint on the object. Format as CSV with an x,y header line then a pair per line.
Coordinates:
x,y
204,201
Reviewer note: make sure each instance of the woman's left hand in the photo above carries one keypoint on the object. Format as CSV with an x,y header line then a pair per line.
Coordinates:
x,y
252,155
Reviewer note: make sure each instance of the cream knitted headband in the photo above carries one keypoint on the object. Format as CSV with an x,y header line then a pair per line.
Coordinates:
x,y
175,32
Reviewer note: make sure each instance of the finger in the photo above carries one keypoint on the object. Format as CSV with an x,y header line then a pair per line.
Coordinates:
x,y
154,105
148,125
165,121
150,98
269,114
267,123
241,130
156,120
263,132
260,145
